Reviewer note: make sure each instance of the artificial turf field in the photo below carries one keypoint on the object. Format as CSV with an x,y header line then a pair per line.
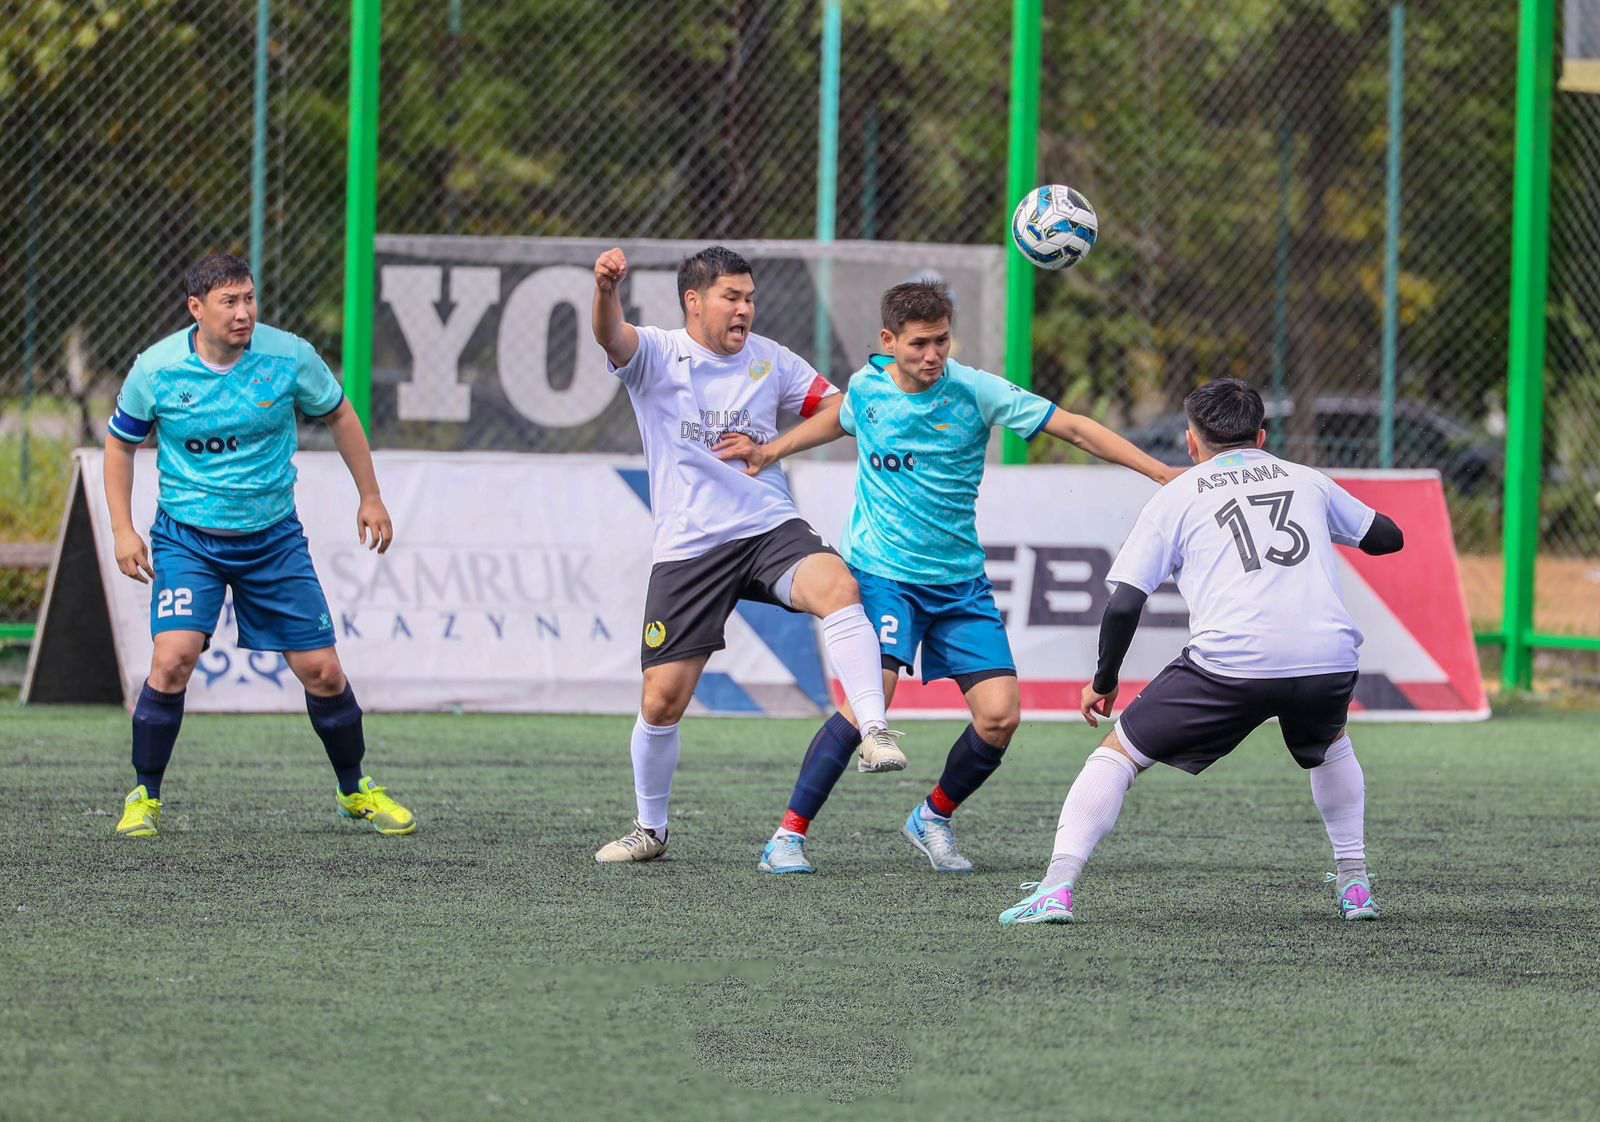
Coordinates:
x,y
265,959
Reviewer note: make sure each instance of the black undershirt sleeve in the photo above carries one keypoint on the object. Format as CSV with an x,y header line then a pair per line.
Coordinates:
x,y
1117,626
1383,536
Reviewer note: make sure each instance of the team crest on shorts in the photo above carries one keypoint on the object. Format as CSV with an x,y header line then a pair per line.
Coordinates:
x,y
655,633
759,369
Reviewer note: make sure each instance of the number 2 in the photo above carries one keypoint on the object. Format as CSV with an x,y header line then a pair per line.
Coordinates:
x,y
1277,503
174,602
887,631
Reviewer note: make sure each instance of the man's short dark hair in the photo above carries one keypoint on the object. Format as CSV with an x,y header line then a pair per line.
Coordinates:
x,y
213,272
916,302
1225,414
701,270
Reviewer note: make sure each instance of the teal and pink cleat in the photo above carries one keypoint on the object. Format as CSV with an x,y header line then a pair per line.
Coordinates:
x,y
1048,904
1356,902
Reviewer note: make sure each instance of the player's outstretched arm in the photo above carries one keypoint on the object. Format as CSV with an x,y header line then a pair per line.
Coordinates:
x,y
1103,444
1383,536
133,559
822,427
372,517
616,335
1117,625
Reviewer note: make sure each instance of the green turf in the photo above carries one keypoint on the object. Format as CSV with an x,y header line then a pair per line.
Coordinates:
x,y
264,959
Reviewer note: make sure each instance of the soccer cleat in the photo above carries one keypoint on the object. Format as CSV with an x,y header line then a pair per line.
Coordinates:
x,y
880,751
1356,901
1047,904
373,803
140,814
785,853
641,845
936,840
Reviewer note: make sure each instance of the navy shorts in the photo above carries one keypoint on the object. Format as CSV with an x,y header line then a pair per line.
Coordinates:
x,y
1191,718
277,599
957,626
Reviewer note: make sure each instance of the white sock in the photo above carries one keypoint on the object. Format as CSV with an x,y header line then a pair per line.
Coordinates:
x,y
655,758
1089,812
1340,791
858,661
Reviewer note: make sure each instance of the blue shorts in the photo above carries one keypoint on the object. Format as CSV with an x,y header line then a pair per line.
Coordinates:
x,y
277,599
957,626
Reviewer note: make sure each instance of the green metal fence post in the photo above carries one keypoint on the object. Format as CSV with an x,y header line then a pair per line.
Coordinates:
x,y
827,179
361,205
258,150
1026,19
1391,234
1530,260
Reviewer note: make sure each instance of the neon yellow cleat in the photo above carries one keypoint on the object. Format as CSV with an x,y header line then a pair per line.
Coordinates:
x,y
373,803
140,814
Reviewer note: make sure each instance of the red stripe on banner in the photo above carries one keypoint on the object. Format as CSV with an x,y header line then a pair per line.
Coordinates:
x,y
819,390
1422,584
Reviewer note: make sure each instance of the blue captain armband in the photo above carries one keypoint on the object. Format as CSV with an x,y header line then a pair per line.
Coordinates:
x,y
129,429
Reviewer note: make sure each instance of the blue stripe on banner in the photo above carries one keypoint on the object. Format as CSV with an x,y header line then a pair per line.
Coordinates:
x,y
793,638
639,480
721,694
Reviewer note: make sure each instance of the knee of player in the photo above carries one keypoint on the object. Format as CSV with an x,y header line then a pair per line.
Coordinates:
x,y
998,728
661,707
321,676
170,670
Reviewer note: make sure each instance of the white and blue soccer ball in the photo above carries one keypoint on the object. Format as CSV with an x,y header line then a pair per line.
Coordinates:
x,y
1054,226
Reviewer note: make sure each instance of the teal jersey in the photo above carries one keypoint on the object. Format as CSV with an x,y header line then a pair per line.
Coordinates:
x,y
226,441
920,460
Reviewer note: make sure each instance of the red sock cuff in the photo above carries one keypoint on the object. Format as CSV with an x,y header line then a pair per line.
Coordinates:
x,y
794,823
942,802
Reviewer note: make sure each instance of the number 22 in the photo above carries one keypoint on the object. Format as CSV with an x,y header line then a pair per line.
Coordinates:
x,y
174,602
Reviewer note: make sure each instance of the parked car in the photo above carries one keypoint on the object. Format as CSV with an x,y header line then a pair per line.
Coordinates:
x,y
1347,436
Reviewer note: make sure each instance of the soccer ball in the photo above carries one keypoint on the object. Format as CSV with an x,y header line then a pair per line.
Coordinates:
x,y
1054,226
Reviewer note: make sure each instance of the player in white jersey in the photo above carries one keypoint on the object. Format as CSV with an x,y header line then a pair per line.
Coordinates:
x,y
1250,538
722,536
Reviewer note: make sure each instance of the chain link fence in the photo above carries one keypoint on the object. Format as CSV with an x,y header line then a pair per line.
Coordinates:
x,y
1236,154
1567,583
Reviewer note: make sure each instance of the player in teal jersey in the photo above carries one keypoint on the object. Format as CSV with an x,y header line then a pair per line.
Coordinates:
x,y
922,423
221,397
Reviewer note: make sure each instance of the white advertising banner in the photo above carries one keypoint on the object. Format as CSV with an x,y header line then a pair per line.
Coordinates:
x,y
515,583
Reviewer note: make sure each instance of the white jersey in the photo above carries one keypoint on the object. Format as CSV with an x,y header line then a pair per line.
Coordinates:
x,y
685,398
1250,538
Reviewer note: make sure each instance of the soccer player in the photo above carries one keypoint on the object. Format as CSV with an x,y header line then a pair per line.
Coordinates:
x,y
722,536
1250,538
221,398
921,422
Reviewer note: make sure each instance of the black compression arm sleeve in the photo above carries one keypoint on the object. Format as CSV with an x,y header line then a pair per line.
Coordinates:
x,y
1382,537
1117,626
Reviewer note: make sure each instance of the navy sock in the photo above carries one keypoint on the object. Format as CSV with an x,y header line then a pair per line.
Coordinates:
x,y
831,749
972,760
157,717
338,722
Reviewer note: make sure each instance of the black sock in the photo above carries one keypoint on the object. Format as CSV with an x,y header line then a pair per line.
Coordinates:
x,y
338,722
825,761
972,760
157,717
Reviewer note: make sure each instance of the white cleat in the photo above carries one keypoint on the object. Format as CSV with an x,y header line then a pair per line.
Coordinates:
x,y
936,840
641,845
880,751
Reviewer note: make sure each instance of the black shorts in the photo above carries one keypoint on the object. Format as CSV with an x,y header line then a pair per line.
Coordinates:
x,y
689,602
1190,718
